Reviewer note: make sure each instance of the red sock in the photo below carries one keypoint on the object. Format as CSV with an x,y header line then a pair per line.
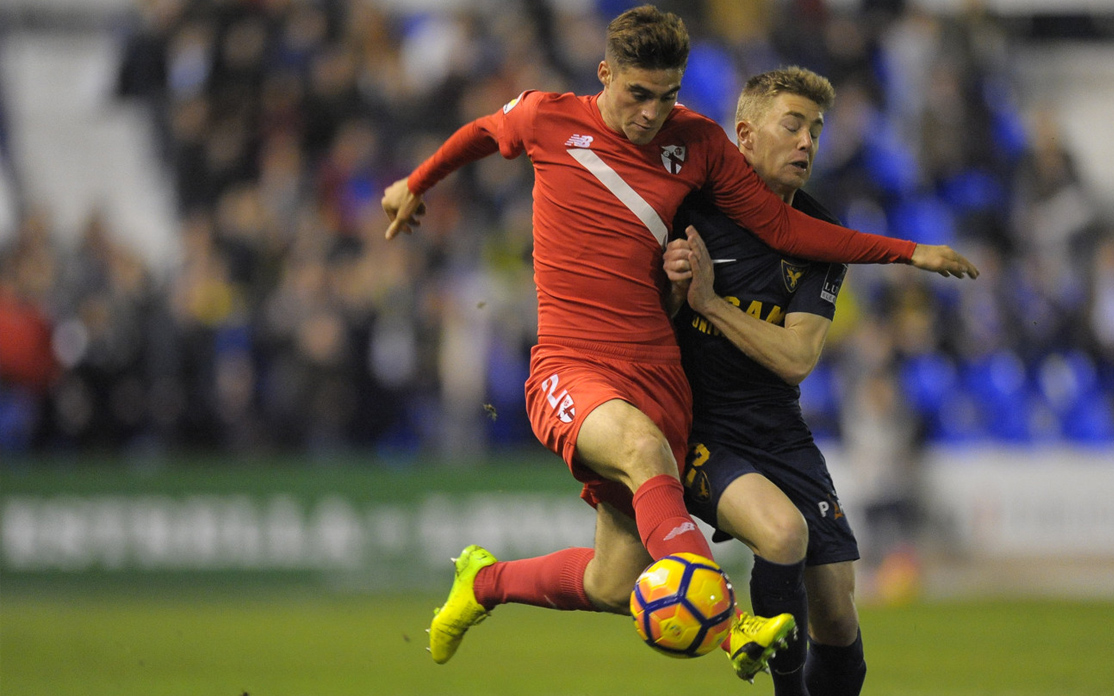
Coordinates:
x,y
555,581
663,523
726,644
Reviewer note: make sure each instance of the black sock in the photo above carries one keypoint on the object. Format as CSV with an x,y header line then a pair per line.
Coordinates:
x,y
780,589
833,670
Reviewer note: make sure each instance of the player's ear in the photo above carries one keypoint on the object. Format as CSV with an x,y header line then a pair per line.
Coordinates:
x,y
745,132
604,73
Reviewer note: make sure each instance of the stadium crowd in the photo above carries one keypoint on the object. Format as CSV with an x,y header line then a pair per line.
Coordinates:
x,y
290,325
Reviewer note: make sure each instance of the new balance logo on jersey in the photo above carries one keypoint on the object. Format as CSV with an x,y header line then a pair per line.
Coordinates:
x,y
673,156
579,141
678,531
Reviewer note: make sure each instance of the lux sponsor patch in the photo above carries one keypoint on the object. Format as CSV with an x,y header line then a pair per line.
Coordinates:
x,y
833,281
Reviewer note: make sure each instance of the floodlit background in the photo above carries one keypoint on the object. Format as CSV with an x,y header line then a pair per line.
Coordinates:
x,y
217,378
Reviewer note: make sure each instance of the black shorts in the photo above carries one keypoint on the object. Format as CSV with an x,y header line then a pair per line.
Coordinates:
x,y
802,474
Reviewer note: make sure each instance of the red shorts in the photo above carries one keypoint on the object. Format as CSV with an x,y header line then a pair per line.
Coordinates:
x,y
569,379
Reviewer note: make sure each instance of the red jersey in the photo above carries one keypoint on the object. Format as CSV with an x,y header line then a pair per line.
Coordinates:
x,y
603,208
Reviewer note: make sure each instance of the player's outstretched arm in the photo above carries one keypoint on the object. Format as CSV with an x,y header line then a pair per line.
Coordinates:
x,y
942,259
403,208
470,142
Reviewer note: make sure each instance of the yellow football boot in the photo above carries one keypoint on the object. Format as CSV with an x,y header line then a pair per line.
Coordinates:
x,y
461,611
754,640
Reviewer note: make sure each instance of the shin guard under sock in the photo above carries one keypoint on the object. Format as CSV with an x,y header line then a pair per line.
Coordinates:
x,y
555,581
779,589
663,522
833,670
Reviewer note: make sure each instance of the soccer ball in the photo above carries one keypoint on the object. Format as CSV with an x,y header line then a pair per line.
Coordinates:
x,y
683,605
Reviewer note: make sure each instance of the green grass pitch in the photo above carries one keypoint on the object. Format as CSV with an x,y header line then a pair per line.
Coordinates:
x,y
205,643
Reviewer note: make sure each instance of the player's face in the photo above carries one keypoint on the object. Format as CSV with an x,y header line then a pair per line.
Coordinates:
x,y
782,145
636,101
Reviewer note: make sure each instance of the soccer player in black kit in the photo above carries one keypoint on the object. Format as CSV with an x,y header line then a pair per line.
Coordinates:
x,y
752,329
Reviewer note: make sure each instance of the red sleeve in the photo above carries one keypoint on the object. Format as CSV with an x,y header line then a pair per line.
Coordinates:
x,y
469,143
738,191
502,131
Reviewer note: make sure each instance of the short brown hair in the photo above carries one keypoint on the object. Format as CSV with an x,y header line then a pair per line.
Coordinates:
x,y
645,37
761,89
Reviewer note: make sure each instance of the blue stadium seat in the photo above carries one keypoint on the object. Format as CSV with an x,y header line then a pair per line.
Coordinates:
x,y
1007,127
999,385
927,380
1091,422
711,85
1066,379
1071,385
820,400
997,377
923,219
973,190
889,161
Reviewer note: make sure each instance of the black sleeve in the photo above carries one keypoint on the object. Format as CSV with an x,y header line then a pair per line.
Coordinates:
x,y
819,290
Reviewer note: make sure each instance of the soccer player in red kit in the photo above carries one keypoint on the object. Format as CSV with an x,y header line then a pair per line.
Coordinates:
x,y
606,389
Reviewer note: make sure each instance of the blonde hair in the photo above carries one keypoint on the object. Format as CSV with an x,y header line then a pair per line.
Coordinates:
x,y
645,37
761,90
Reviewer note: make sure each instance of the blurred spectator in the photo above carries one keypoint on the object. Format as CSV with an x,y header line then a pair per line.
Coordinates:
x,y
28,368
882,436
1101,313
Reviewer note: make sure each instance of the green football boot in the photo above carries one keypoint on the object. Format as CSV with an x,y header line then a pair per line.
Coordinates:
x,y
461,611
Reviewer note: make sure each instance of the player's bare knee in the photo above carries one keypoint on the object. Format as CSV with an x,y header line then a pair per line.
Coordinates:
x,y
647,454
786,538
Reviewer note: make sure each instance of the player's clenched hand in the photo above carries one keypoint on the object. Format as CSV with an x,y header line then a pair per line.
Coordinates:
x,y
942,259
679,273
403,208
677,268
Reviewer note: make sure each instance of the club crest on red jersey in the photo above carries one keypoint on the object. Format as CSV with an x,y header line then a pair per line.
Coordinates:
x,y
673,156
